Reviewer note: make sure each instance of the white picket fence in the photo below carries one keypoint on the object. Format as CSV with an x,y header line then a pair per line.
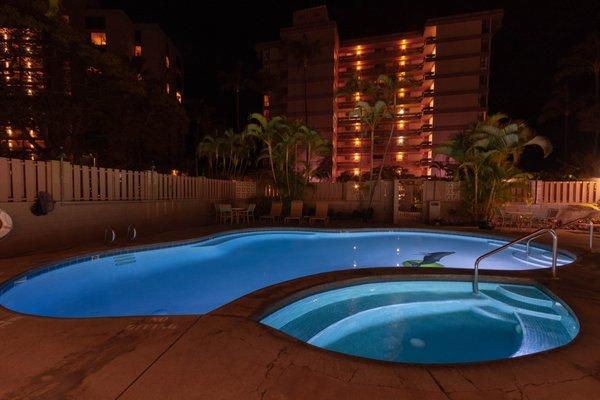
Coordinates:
x,y
566,192
21,180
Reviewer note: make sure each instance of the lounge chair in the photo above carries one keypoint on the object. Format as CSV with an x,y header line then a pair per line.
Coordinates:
x,y
275,214
225,213
295,212
320,213
248,214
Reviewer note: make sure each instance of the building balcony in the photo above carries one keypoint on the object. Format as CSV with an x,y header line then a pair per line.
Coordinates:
x,y
427,110
348,105
430,40
428,93
379,70
427,128
429,75
381,54
430,57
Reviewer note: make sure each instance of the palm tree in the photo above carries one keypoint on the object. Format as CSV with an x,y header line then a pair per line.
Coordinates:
x,y
235,82
269,132
303,51
487,158
371,116
561,104
585,60
389,87
209,148
316,146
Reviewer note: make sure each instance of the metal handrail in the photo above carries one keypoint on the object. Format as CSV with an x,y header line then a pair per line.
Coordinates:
x,y
532,235
109,235
131,233
590,223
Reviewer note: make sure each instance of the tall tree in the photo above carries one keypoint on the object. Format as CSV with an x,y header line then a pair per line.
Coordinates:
x,y
236,82
585,60
563,105
268,131
303,52
486,158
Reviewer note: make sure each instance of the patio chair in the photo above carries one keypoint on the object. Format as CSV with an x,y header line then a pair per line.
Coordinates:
x,y
540,218
295,212
225,213
320,213
552,217
275,214
248,214
502,218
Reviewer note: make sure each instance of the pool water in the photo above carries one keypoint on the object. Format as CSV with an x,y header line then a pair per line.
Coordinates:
x,y
195,278
431,322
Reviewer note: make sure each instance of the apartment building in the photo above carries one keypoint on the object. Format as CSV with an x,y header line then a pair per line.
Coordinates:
x,y
145,46
447,63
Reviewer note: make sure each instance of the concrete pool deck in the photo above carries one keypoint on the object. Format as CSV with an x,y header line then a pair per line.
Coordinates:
x,y
227,355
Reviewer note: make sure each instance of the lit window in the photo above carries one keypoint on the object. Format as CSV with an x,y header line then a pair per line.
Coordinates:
x,y
168,88
178,96
356,157
98,38
357,142
356,172
400,157
167,62
137,50
401,140
357,126
266,101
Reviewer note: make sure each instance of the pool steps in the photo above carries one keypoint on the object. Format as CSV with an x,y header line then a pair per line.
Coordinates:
x,y
521,306
536,258
528,304
124,259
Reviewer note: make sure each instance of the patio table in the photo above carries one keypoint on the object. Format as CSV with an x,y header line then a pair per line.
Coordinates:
x,y
237,211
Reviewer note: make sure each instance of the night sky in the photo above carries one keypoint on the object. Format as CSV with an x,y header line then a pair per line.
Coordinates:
x,y
214,35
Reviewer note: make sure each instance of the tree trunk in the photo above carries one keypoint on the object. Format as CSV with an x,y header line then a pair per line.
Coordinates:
x,y
595,116
387,147
305,103
237,109
271,162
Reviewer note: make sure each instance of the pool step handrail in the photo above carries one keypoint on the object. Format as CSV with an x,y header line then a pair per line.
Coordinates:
x,y
131,233
527,237
590,222
109,235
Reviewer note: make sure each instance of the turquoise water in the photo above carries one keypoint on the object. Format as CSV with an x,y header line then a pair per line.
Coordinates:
x,y
195,278
430,322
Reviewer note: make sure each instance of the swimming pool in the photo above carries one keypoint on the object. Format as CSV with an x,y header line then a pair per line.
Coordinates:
x,y
199,276
429,322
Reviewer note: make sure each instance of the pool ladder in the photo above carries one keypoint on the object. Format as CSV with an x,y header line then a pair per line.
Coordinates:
x,y
529,238
110,234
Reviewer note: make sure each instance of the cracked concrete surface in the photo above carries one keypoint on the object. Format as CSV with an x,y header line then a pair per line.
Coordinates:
x,y
227,355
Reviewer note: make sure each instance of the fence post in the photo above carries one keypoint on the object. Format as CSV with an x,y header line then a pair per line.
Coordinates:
x,y
67,181
5,183
55,180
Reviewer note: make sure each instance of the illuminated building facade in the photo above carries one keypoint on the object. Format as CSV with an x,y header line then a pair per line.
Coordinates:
x,y
21,70
144,46
447,61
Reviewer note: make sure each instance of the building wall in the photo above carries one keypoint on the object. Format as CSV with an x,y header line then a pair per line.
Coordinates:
x,y
448,59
